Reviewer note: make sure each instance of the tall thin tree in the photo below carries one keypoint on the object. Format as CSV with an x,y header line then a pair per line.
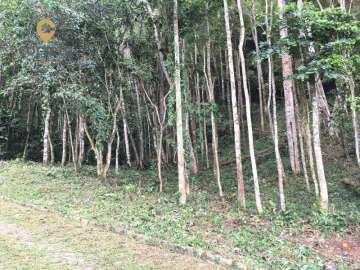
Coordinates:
x,y
239,170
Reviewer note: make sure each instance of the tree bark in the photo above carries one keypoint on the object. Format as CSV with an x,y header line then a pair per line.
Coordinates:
x,y
260,76
81,140
248,110
46,137
210,86
287,65
355,121
239,170
179,118
273,117
140,127
309,144
64,142
318,155
29,122
117,151
125,129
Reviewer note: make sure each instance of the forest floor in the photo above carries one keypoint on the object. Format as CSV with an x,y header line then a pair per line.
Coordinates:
x,y
300,238
45,240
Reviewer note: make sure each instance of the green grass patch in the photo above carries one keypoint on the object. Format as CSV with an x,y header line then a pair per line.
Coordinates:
x,y
133,202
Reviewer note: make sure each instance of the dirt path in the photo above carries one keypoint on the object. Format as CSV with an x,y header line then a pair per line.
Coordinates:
x,y
65,244
56,253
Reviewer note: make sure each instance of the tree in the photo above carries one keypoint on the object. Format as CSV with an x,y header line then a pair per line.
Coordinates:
x,y
210,87
239,171
287,69
248,109
179,118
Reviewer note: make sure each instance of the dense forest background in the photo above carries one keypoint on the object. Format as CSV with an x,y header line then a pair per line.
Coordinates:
x,y
229,126
155,84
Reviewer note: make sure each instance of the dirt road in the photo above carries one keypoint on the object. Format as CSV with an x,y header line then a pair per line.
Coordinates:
x,y
32,239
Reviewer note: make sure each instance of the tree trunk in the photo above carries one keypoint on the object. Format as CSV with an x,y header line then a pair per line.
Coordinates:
x,y
29,121
81,140
239,170
64,142
179,119
288,84
248,110
72,144
260,76
273,117
222,78
46,137
159,159
117,151
187,96
125,129
301,142
52,154
133,146
355,121
318,155
210,86
309,144
140,127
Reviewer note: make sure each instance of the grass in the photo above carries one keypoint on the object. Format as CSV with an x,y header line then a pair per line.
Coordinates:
x,y
133,202
17,256
89,246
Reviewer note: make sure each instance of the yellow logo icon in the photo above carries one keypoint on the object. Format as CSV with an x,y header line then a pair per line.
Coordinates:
x,y
45,29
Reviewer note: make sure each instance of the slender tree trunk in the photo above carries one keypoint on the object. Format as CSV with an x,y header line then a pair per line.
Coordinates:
x,y
46,137
279,163
187,99
248,110
73,146
355,121
64,142
127,144
272,100
179,119
29,121
204,131
140,127
199,94
301,142
81,140
318,155
159,159
206,145
52,154
222,78
228,95
303,157
309,144
240,94
260,76
117,151
133,146
125,129
194,165
210,86
239,171
289,98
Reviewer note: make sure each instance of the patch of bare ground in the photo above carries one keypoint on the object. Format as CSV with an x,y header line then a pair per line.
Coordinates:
x,y
334,247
